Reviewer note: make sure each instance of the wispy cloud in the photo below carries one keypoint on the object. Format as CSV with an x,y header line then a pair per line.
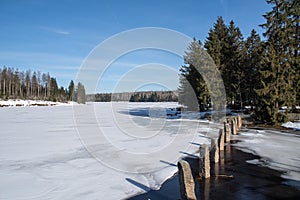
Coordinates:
x,y
55,30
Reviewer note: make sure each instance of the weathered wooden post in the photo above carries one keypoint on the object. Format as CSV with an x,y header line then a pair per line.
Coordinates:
x,y
237,123
204,162
221,139
233,126
206,189
214,150
240,122
227,132
236,119
186,181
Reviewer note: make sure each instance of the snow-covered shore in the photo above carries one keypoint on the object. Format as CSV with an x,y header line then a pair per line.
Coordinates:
x,y
22,103
293,125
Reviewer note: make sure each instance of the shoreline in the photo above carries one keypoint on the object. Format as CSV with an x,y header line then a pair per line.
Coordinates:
x,y
31,103
250,181
272,128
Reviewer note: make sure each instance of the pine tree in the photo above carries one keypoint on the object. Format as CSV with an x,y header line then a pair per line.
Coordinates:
x,y
251,66
54,92
34,84
28,84
213,46
71,89
193,91
200,81
233,73
226,47
216,43
278,72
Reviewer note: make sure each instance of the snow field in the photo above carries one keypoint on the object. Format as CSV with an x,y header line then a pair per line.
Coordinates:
x,y
93,151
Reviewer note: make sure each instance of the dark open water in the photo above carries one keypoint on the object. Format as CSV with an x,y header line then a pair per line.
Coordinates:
x,y
249,181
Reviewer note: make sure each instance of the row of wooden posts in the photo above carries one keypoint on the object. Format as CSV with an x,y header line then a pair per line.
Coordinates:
x,y
187,186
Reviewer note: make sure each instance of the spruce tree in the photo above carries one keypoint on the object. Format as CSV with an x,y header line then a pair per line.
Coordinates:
x,y
71,89
251,66
225,46
216,43
278,72
233,75
201,82
193,91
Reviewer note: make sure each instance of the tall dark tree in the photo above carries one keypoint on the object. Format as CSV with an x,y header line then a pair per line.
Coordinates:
x,y
278,71
251,66
34,85
193,91
225,45
54,92
216,43
213,45
201,82
71,89
233,73
28,83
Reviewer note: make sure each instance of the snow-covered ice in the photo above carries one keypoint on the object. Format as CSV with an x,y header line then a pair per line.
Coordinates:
x,y
101,153
278,150
293,125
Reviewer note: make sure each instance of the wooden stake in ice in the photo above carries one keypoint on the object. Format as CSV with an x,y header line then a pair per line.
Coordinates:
x,y
240,123
227,132
204,162
214,150
186,181
233,126
221,139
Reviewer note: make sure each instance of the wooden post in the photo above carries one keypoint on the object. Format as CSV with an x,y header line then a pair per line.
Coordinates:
x,y
206,189
227,132
221,139
236,120
204,162
186,181
240,121
214,150
233,126
237,123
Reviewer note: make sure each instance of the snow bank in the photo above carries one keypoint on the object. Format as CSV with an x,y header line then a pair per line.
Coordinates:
x,y
43,150
292,125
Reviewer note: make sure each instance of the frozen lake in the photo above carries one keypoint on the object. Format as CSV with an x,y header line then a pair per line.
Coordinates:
x,y
106,151
112,150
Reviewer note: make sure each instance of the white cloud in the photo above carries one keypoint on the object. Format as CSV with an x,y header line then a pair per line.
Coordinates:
x,y
55,30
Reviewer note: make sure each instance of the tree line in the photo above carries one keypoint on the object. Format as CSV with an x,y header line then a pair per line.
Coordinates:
x,y
154,96
263,74
146,96
15,84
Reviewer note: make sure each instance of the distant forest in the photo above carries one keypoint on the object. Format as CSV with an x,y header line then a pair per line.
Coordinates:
x,y
263,74
147,96
15,84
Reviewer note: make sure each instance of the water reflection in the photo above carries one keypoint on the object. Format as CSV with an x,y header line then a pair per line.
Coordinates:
x,y
232,179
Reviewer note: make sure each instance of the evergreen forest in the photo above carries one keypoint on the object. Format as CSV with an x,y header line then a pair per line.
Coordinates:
x,y
261,73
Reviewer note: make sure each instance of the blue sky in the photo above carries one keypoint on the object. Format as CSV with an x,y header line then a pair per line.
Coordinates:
x,y
56,36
